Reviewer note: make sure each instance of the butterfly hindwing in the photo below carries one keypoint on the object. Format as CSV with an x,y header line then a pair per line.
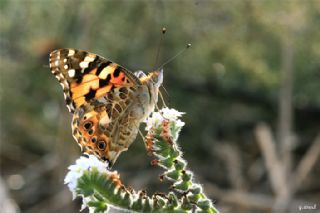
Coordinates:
x,y
104,129
86,76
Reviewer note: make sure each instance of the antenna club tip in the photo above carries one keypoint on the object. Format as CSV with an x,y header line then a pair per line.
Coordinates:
x,y
188,45
164,30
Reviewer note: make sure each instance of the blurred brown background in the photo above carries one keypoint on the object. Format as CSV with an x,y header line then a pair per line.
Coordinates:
x,y
249,86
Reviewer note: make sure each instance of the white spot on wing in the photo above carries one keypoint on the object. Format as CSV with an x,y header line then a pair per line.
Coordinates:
x,y
65,66
89,58
59,77
70,110
71,52
84,64
56,63
71,73
104,121
66,85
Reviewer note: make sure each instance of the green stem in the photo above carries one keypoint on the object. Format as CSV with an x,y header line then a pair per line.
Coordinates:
x,y
106,189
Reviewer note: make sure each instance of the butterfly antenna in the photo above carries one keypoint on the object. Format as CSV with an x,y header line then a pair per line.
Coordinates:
x,y
159,47
175,56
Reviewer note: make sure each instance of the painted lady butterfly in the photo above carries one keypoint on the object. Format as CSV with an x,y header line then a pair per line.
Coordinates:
x,y
108,102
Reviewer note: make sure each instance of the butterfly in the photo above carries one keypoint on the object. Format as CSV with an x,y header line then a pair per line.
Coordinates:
x,y
108,102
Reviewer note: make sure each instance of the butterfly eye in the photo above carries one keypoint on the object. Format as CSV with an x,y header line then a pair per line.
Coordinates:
x,y
101,145
157,78
87,125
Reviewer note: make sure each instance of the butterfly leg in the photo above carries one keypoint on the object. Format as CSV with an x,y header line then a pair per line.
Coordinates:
x,y
146,142
162,99
140,74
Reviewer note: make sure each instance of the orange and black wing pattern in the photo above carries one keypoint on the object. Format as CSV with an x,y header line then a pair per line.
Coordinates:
x,y
85,76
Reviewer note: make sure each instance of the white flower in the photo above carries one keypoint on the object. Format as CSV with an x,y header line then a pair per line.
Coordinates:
x,y
179,123
83,164
156,118
85,201
171,114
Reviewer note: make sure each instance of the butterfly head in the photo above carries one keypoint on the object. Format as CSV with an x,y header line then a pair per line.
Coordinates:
x,y
157,77
154,77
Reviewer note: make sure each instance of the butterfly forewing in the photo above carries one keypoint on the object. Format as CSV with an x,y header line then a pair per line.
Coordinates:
x,y
86,76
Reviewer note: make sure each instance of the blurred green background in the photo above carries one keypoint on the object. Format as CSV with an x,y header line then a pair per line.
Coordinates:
x,y
251,61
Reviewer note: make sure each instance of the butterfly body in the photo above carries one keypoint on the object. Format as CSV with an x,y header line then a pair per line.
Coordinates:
x,y
108,102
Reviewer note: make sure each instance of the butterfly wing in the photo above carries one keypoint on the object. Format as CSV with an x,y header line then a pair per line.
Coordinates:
x,y
101,95
85,76
108,129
